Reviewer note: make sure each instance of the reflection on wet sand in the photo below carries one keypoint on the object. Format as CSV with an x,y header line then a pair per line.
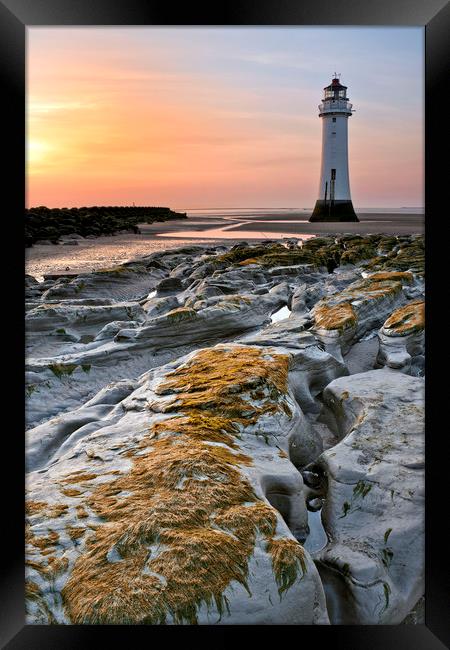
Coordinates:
x,y
233,230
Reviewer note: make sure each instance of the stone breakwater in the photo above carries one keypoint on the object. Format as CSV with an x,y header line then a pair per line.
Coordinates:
x,y
194,421
68,225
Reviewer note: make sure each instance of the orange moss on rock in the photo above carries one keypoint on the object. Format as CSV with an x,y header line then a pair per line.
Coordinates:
x,y
288,557
199,426
234,301
188,519
372,289
71,492
81,512
216,378
407,276
77,477
175,488
57,565
32,590
181,314
336,317
34,595
242,253
250,260
337,312
246,520
409,257
45,541
407,319
75,532
56,510
34,507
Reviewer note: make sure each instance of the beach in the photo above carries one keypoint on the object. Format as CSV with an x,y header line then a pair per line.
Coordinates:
x,y
209,228
238,418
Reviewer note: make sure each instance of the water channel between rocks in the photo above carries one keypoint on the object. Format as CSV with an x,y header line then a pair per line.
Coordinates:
x,y
317,537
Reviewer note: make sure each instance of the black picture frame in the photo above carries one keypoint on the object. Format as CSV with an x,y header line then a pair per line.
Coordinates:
x,y
15,17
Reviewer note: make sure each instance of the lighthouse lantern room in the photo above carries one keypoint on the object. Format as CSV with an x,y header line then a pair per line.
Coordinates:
x,y
334,202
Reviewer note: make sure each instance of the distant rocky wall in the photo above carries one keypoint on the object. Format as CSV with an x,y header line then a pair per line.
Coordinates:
x,y
54,224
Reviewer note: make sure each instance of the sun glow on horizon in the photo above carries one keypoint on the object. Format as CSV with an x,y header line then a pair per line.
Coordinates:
x,y
37,152
209,116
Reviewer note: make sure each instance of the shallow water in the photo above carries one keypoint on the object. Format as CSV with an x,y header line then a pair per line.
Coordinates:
x,y
93,254
228,233
262,211
317,537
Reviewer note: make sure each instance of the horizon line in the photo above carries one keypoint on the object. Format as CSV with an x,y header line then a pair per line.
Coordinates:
x,y
366,207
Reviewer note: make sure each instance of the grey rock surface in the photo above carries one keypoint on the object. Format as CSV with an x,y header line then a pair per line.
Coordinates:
x,y
72,459
208,442
373,565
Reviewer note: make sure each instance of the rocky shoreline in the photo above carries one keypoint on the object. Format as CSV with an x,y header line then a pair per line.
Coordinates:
x,y
229,435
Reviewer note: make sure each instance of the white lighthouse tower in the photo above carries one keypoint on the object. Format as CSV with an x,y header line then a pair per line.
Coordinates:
x,y
334,202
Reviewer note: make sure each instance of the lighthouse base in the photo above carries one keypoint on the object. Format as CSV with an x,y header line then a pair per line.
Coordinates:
x,y
333,211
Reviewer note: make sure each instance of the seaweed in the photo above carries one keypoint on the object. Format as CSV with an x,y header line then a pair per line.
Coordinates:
x,y
61,369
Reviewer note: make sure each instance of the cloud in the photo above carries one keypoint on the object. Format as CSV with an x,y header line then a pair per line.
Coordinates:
x,y
280,59
45,107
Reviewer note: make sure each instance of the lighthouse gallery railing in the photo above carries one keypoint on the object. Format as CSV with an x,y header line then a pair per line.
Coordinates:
x,y
335,105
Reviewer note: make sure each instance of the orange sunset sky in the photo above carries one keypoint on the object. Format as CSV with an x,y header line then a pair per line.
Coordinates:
x,y
218,117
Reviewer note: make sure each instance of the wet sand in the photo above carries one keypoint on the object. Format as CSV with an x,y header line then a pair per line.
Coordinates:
x,y
93,254
226,228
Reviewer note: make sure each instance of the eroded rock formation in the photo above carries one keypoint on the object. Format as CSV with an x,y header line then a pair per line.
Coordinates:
x,y
402,339
373,563
194,415
160,512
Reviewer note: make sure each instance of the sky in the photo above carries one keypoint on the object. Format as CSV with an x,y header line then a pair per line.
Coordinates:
x,y
219,117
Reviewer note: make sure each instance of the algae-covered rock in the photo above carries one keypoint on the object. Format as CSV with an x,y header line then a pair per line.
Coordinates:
x,y
173,423
341,318
160,512
311,368
402,339
406,256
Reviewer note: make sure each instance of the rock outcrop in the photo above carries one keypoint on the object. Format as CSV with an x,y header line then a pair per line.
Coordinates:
x,y
208,441
373,564
344,317
402,339
161,512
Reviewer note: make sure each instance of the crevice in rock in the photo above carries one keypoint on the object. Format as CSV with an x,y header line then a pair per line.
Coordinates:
x,y
317,538
284,496
281,502
336,594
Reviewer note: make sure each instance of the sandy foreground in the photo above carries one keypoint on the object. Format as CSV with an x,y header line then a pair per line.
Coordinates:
x,y
93,254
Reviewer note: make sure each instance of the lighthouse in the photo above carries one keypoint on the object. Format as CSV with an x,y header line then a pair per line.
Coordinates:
x,y
334,202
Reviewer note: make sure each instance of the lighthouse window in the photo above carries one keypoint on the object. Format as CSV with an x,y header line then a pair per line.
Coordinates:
x,y
334,119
